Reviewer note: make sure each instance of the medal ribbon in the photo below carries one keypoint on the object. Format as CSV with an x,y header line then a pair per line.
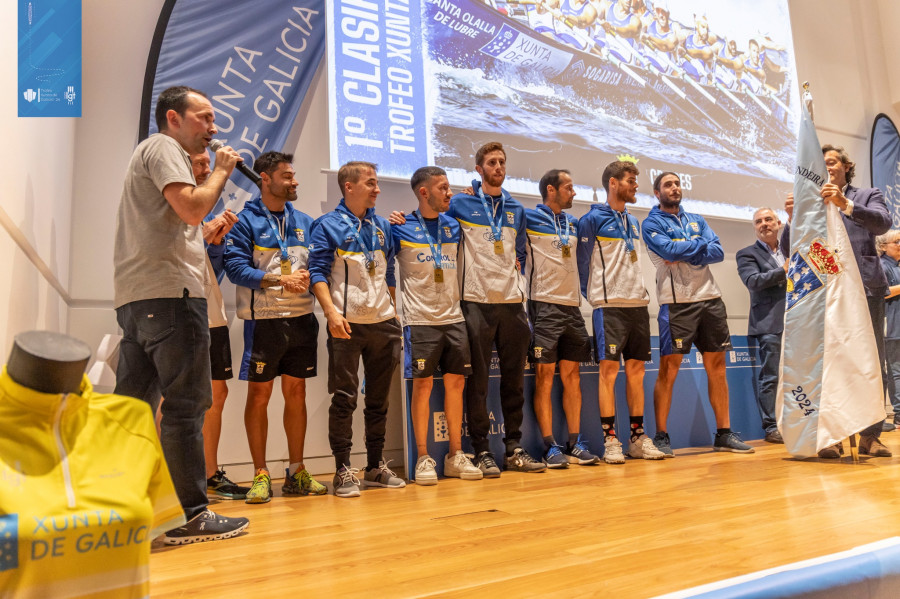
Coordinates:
x,y
435,253
626,233
496,229
279,233
368,253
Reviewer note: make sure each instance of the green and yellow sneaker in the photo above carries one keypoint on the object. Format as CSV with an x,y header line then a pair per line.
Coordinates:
x,y
261,490
301,483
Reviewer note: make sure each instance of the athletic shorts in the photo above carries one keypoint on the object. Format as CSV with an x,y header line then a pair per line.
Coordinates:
x,y
274,346
704,324
430,346
558,333
622,333
220,354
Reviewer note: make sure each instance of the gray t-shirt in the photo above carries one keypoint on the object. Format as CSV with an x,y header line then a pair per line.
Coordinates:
x,y
157,255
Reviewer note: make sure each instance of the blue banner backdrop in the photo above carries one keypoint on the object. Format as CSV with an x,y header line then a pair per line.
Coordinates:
x,y
885,161
255,61
691,420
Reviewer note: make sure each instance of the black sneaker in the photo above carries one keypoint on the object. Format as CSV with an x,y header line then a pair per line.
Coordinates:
x,y
731,441
520,461
485,462
205,526
221,486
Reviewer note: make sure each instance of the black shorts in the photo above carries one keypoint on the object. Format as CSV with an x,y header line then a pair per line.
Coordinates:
x,y
430,346
622,333
274,346
704,324
557,333
220,354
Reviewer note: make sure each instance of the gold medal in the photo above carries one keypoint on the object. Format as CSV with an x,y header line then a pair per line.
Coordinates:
x,y
285,266
566,251
370,267
498,247
633,255
438,275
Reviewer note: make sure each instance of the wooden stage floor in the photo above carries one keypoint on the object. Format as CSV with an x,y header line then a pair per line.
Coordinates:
x,y
634,530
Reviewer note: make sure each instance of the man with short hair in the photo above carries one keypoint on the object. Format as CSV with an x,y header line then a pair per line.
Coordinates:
x,y
763,269
266,256
611,280
691,310
888,246
558,331
160,295
351,275
434,329
215,227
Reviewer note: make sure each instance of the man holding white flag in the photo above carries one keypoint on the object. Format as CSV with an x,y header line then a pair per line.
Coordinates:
x,y
831,384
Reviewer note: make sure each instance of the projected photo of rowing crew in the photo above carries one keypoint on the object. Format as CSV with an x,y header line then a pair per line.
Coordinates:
x,y
705,89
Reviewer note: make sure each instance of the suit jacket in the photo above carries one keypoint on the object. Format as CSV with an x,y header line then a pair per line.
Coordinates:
x,y
767,283
869,219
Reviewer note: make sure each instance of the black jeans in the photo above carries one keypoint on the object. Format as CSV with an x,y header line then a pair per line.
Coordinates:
x,y
379,347
165,351
507,326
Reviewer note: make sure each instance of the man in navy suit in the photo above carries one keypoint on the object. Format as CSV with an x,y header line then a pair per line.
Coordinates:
x,y
865,216
762,268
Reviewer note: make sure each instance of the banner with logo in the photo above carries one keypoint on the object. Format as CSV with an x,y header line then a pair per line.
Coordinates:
x,y
830,381
691,420
885,160
255,61
49,53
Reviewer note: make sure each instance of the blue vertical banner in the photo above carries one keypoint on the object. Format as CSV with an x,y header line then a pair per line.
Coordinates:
x,y
49,58
885,161
255,61
377,92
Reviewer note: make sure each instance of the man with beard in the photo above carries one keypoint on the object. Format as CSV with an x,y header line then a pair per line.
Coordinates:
x,y
763,269
266,256
558,334
611,280
434,330
691,310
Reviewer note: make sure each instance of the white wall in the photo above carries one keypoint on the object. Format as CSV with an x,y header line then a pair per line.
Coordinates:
x,y
843,47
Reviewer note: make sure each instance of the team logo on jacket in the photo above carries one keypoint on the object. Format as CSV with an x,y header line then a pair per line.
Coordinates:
x,y
300,235
634,230
538,351
695,227
260,366
447,232
380,237
420,364
510,217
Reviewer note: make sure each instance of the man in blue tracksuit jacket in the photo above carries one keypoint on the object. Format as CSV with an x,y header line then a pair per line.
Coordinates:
x,y
351,276
691,310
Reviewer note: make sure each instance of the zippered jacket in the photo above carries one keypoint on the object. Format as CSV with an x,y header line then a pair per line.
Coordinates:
x,y
551,276
336,258
681,248
609,276
252,251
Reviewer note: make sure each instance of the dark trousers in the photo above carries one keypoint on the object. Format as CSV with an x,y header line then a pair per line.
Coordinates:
x,y
876,311
769,354
379,347
165,351
892,357
506,326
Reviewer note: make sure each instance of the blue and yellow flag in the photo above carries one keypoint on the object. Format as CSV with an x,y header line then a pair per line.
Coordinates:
x,y
830,381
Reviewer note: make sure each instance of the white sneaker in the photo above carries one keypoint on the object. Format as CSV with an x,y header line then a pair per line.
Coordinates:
x,y
459,465
643,448
612,452
425,473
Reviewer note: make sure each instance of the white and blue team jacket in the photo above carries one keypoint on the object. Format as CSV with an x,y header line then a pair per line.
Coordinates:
x,y
609,276
681,248
337,259
551,277
486,277
252,251
425,301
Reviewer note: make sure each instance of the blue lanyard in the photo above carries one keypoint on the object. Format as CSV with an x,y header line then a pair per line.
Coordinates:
x,y
629,244
435,253
563,232
278,236
368,253
496,229
684,232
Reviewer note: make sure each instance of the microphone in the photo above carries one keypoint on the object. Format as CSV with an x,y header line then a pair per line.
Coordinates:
x,y
248,172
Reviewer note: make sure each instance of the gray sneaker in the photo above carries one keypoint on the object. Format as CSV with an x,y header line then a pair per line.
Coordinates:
x,y
488,466
730,441
382,477
612,451
643,448
459,465
345,482
522,462
661,440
